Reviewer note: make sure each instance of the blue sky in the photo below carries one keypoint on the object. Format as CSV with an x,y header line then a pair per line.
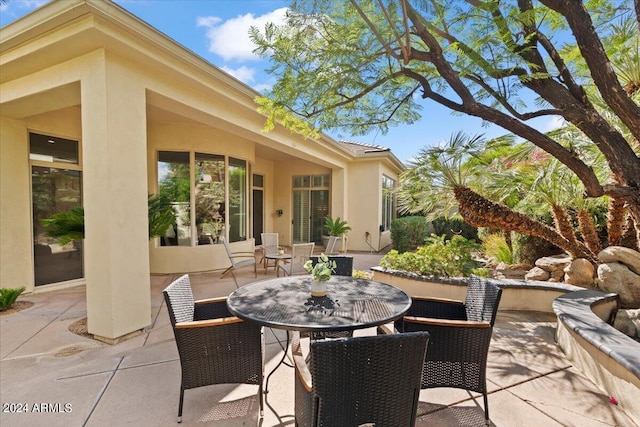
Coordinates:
x,y
217,31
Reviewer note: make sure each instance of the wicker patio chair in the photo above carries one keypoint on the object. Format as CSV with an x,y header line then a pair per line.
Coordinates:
x,y
359,381
214,346
344,264
460,334
238,260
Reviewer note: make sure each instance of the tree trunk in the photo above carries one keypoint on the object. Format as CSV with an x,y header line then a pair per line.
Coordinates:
x,y
588,230
481,212
615,221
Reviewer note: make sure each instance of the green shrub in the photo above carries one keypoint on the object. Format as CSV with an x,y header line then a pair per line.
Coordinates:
x,y
407,233
362,274
450,227
438,257
496,248
527,249
8,297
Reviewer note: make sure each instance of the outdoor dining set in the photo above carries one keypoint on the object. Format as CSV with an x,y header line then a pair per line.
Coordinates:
x,y
343,379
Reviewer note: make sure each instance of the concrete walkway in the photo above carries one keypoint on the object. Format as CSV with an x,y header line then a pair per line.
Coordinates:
x,y
64,379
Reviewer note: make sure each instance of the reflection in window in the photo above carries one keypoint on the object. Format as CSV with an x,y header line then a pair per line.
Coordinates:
x,y
54,191
220,199
388,203
174,185
237,200
209,197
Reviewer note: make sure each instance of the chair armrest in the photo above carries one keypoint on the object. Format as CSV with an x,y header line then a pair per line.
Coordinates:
x,y
243,254
447,322
208,323
385,330
302,370
438,300
211,300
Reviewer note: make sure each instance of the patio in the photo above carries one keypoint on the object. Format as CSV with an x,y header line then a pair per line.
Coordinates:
x,y
136,382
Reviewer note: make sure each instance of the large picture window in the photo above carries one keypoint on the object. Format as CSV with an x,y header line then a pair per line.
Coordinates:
x,y
208,207
388,202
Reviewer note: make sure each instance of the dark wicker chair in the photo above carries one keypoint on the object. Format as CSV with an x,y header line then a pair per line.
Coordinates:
x,y
460,334
214,346
344,264
355,381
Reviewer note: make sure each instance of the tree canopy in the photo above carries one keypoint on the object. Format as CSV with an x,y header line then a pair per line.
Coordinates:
x,y
365,64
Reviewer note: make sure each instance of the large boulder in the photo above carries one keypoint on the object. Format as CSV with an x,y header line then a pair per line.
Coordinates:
x,y
537,273
553,263
623,255
628,322
618,278
580,272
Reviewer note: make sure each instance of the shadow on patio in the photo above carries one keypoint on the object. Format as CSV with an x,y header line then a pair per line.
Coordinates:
x,y
136,382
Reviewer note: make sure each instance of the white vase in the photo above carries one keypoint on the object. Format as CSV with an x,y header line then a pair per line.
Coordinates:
x,y
318,288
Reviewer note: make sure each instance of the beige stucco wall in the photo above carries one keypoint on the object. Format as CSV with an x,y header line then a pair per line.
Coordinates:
x,y
365,205
16,247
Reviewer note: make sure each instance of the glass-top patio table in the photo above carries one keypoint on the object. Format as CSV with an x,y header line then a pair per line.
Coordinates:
x,y
286,303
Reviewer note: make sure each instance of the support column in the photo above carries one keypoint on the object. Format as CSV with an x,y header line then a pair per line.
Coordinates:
x,y
114,141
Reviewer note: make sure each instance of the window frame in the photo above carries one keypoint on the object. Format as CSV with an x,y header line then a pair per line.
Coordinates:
x,y
193,182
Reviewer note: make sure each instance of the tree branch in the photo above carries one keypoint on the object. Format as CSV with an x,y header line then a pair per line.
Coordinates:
x,y
598,62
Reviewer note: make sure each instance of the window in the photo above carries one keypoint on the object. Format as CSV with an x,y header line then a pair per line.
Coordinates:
x,y
56,187
237,200
210,191
219,189
388,202
174,186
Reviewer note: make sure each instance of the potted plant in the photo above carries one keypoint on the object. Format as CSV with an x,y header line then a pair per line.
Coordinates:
x,y
335,227
321,272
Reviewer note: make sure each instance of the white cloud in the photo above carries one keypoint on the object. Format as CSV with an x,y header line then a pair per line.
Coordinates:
x,y
247,76
230,39
244,74
263,87
555,122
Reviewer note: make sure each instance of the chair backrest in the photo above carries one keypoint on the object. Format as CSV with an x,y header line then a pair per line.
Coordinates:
x,y
331,245
482,300
179,299
301,252
372,379
228,250
269,243
344,264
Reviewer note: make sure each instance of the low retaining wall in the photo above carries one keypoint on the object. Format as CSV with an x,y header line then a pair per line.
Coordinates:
x,y
609,358
524,295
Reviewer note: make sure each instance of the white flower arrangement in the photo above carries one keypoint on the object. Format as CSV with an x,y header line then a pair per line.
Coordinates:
x,y
322,270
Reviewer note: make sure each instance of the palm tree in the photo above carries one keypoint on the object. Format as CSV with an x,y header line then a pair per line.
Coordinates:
x,y
453,169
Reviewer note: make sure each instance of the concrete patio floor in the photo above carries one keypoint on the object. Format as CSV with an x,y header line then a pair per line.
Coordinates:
x,y
136,382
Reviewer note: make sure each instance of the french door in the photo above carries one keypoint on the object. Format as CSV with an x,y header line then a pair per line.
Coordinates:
x,y
310,207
